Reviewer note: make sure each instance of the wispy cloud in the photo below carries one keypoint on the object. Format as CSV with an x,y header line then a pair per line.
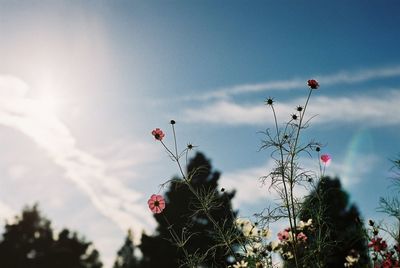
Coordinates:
x,y
371,110
342,77
250,190
91,174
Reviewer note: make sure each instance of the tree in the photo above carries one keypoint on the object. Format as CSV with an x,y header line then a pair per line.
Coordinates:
x,y
182,217
125,256
30,243
339,230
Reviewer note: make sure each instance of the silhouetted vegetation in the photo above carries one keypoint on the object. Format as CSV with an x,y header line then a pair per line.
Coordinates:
x,y
125,256
30,242
183,217
339,230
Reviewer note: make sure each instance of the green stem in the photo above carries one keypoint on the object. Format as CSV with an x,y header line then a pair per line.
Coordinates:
x,y
194,192
284,184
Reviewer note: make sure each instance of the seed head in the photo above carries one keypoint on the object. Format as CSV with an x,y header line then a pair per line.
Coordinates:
x,y
269,101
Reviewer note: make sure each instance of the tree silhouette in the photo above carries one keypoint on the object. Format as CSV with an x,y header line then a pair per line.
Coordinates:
x,y
29,243
181,215
339,231
125,256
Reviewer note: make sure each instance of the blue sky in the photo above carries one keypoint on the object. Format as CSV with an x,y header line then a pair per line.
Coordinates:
x,y
83,83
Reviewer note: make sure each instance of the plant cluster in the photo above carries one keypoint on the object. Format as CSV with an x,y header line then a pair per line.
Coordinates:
x,y
310,240
383,256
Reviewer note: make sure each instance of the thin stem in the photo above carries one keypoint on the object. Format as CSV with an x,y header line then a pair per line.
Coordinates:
x,y
282,167
176,146
293,154
176,238
176,158
320,167
284,184
203,205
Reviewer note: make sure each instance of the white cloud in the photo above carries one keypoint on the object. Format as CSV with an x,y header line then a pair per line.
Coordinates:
x,y
17,171
126,157
249,189
91,174
12,87
369,110
6,212
352,172
343,77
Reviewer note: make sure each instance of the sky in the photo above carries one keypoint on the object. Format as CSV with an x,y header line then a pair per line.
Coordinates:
x,y
83,83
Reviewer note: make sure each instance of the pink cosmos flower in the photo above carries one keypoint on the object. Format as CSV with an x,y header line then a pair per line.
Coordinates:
x,y
301,237
156,203
158,134
313,84
284,235
326,159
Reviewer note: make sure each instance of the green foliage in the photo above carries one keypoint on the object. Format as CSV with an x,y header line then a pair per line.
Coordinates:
x,y
185,216
29,243
338,227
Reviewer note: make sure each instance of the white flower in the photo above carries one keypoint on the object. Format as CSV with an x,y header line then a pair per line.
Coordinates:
x,y
250,231
243,223
287,255
240,264
303,224
247,227
253,249
351,260
275,245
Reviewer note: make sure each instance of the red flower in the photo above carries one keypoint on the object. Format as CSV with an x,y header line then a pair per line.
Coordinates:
x,y
313,84
387,264
158,134
377,244
326,158
156,203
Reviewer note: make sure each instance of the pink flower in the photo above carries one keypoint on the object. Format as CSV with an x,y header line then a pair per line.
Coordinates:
x,y
156,203
158,134
283,235
326,158
313,84
301,237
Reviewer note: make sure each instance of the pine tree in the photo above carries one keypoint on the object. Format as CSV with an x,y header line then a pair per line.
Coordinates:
x,y
125,256
181,214
29,243
339,231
